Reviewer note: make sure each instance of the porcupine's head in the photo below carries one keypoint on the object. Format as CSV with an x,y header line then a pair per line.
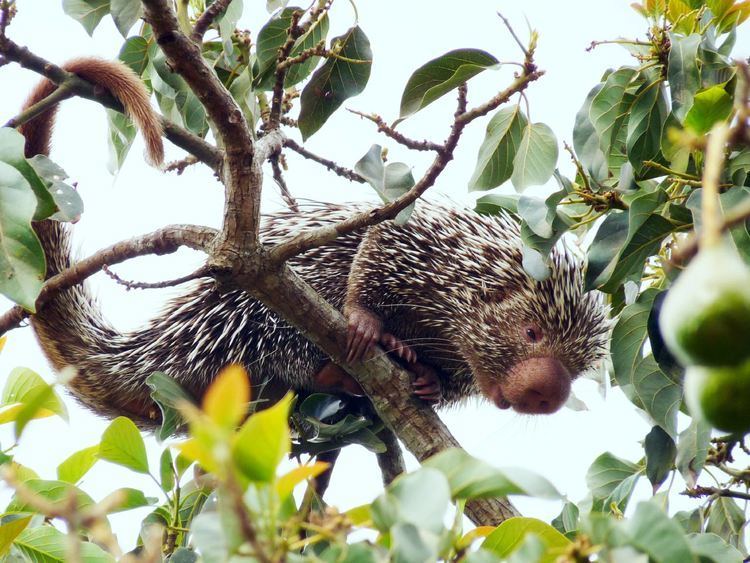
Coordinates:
x,y
525,341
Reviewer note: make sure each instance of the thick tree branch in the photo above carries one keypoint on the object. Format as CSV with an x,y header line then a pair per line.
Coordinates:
x,y
163,241
242,173
193,144
386,384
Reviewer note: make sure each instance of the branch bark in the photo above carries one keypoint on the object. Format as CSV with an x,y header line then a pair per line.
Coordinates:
x,y
163,241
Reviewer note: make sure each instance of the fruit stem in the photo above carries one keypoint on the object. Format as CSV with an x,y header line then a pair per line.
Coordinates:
x,y
710,204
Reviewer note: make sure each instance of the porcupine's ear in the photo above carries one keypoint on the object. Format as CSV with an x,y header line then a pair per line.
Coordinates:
x,y
121,82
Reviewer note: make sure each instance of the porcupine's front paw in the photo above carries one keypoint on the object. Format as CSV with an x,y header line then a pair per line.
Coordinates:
x,y
365,330
426,382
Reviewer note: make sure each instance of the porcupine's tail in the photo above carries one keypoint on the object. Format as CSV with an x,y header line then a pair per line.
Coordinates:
x,y
70,327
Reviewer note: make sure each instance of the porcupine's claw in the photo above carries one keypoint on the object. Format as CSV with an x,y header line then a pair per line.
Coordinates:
x,y
396,346
426,384
364,330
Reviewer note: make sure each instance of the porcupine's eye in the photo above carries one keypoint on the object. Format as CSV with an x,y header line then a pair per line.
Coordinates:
x,y
532,334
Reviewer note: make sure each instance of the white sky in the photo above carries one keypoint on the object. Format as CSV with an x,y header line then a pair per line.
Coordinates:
x,y
403,36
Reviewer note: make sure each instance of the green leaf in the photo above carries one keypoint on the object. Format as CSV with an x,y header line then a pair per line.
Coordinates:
x,y
710,547
120,139
167,393
509,536
710,106
653,532
127,499
586,140
126,14
646,231
87,12
12,145
493,204
639,376
645,125
472,478
262,442
227,23
567,521
134,53
122,444
10,529
337,80
77,464
536,157
209,536
45,544
166,471
609,107
502,139
22,263
661,453
69,205
606,247
389,181
692,450
55,492
420,498
410,543
271,38
606,474
727,520
37,399
683,72
441,75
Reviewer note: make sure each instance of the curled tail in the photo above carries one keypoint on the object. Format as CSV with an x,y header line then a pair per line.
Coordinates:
x,y
70,327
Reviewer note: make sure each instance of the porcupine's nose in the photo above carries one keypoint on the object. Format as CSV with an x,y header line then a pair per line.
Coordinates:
x,y
544,386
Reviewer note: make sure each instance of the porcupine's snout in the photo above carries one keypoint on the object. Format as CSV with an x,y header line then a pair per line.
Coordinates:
x,y
538,385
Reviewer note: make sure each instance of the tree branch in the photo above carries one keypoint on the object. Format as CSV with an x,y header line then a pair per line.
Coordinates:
x,y
207,18
242,172
397,136
342,171
196,146
163,241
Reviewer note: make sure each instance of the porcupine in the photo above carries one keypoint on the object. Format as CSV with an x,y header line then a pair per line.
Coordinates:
x,y
447,291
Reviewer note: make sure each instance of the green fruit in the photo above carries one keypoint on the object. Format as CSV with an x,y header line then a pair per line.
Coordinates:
x,y
721,396
705,319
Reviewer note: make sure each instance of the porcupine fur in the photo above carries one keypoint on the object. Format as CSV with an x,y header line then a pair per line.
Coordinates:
x,y
450,283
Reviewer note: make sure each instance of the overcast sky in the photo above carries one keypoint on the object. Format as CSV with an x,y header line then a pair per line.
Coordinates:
x,y
403,36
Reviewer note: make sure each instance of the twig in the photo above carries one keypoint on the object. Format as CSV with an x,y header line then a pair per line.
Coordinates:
x,y
710,206
395,135
661,168
278,176
697,492
207,18
243,518
201,272
179,166
7,11
329,164
513,33
277,96
318,50
518,85
163,241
